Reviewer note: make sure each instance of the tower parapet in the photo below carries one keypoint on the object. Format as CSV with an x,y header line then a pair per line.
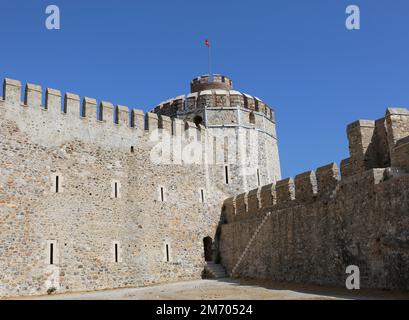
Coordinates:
x,y
213,101
206,82
377,144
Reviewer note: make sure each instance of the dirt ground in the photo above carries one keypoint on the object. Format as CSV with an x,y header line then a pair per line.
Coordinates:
x,y
228,290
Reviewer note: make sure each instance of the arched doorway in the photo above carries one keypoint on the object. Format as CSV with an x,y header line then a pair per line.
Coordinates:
x,y
208,249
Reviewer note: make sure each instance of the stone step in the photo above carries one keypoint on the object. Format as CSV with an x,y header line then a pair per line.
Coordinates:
x,y
216,270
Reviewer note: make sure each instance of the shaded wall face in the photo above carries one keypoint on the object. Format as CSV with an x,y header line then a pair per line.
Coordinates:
x,y
376,144
310,229
363,223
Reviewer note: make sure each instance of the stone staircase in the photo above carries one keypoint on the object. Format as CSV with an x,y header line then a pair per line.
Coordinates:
x,y
215,271
248,247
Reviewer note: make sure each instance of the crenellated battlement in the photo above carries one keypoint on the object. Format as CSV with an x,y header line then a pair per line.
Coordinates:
x,y
89,110
379,151
222,99
206,82
306,187
374,144
313,237
218,93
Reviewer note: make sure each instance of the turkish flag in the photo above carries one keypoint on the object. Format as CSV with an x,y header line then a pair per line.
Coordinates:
x,y
207,43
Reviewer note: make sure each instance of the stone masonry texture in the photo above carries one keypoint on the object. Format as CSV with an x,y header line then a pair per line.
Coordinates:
x,y
310,235
84,206
96,196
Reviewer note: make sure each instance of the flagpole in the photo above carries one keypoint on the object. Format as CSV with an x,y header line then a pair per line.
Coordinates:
x,y
208,45
210,64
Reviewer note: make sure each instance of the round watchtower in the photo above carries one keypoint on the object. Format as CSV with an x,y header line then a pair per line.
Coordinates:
x,y
216,94
229,114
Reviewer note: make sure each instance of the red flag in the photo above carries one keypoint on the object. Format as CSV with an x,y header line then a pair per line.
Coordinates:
x,y
207,43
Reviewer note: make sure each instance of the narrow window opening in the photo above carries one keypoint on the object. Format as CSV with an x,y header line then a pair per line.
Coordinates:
x,y
162,194
116,190
258,177
226,174
215,160
116,253
167,252
132,149
57,184
202,195
252,118
51,253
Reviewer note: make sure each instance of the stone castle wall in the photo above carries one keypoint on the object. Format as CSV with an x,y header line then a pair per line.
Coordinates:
x,y
310,229
107,226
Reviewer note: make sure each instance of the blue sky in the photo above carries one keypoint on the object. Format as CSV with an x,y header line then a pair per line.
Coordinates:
x,y
296,55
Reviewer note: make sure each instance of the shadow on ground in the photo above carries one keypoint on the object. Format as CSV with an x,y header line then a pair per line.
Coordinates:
x,y
316,290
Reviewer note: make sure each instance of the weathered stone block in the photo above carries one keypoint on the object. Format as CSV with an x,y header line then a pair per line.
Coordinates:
x,y
253,201
122,115
53,100
285,190
33,96
241,204
327,177
305,186
268,195
165,123
106,110
361,147
151,121
72,104
89,108
346,169
138,119
12,91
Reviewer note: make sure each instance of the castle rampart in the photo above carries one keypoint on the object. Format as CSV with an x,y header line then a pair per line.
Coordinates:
x,y
311,229
128,122
94,195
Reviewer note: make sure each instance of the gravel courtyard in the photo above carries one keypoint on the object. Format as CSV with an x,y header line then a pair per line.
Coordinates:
x,y
229,290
